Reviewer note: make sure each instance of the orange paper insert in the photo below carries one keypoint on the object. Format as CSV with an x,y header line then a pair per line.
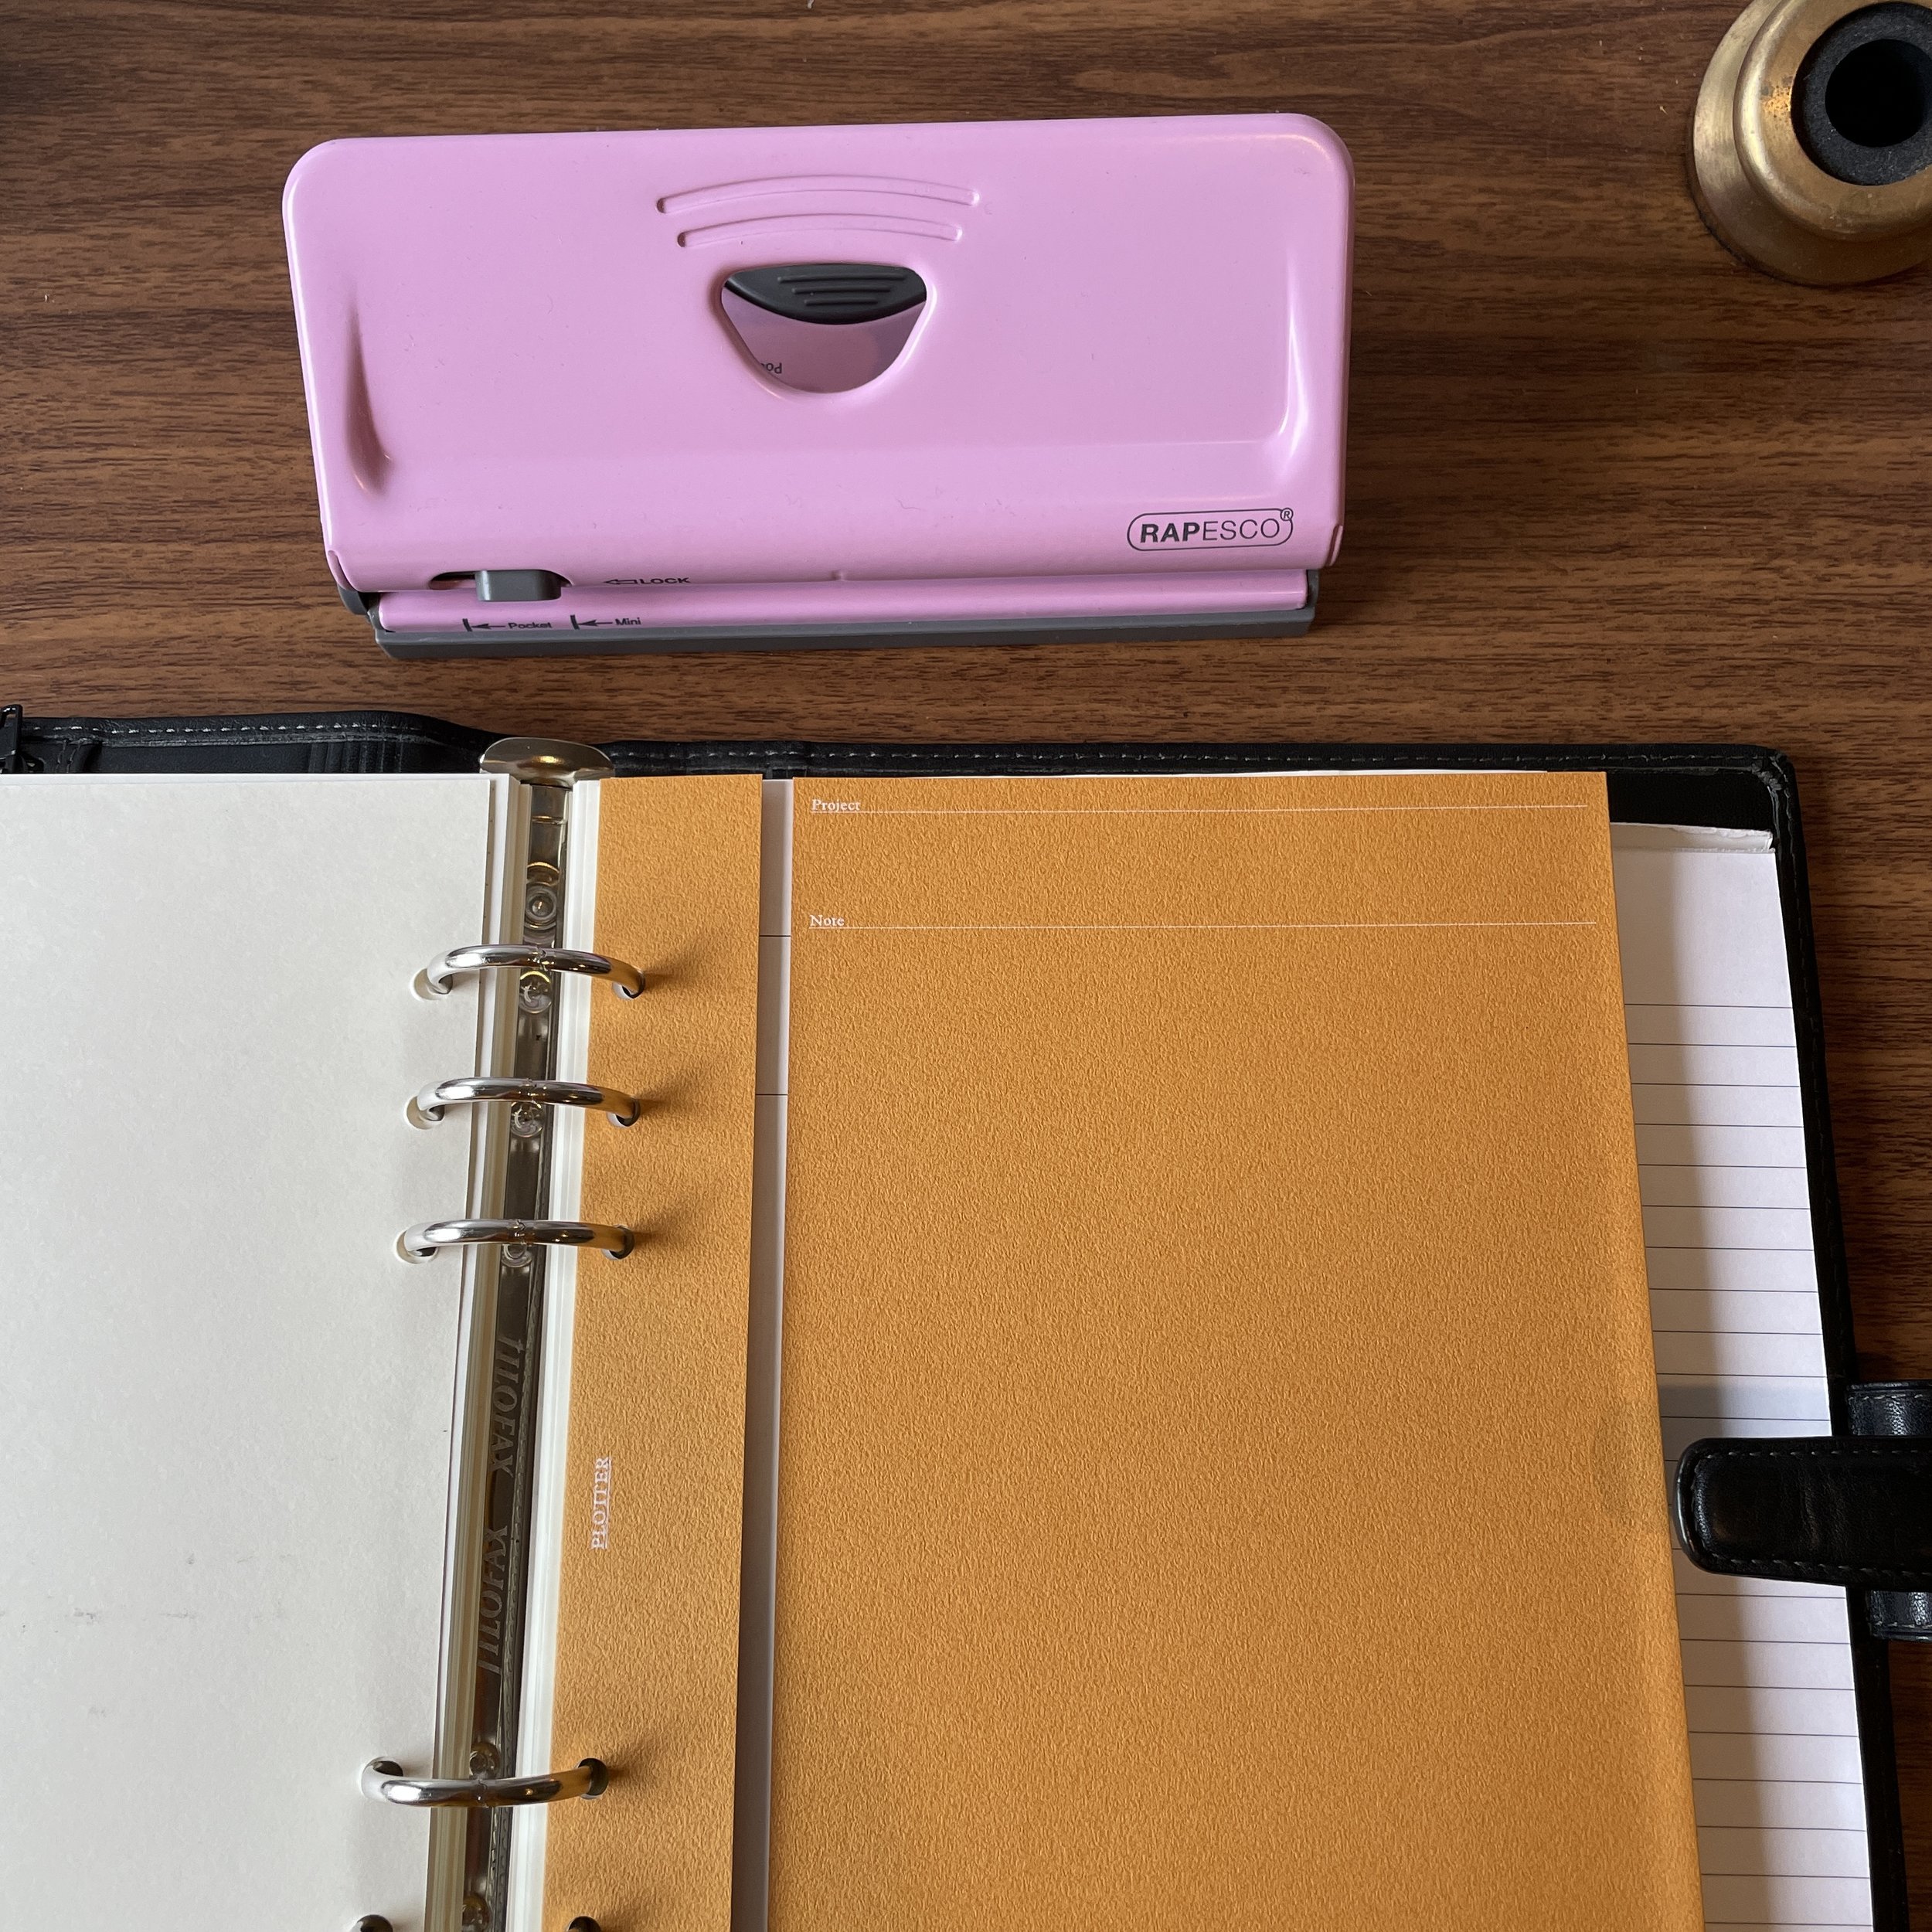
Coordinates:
x,y
647,1622
1220,1470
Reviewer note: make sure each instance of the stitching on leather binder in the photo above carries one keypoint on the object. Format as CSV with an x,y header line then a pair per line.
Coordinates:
x,y
350,730
295,728
1810,1572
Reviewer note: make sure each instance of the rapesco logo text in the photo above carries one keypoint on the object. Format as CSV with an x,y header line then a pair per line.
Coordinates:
x,y
1210,529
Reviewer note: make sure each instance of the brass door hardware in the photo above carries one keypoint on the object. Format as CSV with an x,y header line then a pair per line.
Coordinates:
x,y
1811,144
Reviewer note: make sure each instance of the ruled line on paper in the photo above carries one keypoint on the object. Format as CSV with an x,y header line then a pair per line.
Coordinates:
x,y
1675,1183
1731,1310
832,808
1255,925
1777,1780
1701,1144
1671,1104
1711,1063
1736,1619
1740,1353
1725,1802
1776,1903
1708,1025
1789,1269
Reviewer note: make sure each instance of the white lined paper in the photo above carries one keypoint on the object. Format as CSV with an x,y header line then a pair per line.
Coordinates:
x,y
1739,1351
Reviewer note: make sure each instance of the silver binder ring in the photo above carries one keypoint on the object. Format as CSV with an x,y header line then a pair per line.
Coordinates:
x,y
388,1781
429,1238
479,1089
437,978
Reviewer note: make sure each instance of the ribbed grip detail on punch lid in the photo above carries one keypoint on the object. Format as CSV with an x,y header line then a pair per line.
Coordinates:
x,y
1850,1511
831,291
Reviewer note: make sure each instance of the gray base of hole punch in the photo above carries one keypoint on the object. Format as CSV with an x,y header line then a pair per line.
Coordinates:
x,y
1165,628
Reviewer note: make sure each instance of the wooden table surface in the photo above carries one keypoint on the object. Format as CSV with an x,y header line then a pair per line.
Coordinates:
x,y
1605,482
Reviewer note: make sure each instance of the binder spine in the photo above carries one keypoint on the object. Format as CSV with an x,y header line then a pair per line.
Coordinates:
x,y
508,1243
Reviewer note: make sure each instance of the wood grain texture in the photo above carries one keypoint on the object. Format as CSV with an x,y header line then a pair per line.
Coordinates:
x,y
1605,482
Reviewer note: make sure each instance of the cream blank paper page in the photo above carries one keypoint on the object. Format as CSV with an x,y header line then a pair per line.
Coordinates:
x,y
1720,1145
227,1400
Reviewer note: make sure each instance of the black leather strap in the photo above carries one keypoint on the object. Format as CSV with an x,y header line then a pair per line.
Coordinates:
x,y
1814,1509
1894,1409
1890,1408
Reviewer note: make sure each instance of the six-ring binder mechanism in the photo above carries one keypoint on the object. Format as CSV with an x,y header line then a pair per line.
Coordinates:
x,y
525,1118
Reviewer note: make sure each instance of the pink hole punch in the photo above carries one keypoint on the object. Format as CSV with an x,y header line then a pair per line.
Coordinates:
x,y
780,388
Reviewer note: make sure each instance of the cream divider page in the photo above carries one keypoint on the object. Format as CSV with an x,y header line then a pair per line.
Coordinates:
x,y
227,1398
1219,1439
647,1654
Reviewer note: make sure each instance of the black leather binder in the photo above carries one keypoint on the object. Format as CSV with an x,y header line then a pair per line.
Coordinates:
x,y
1850,1509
